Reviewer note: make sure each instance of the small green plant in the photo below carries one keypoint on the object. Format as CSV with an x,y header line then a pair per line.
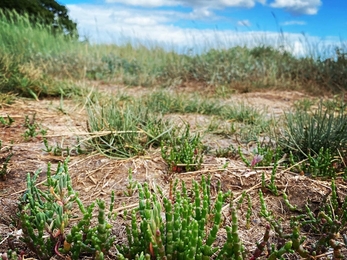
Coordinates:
x,y
58,150
131,186
290,242
326,224
48,147
5,157
272,185
188,229
6,121
32,128
183,152
229,151
322,164
45,218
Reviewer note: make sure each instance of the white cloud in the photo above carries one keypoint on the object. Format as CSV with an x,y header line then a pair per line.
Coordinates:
x,y
145,3
117,24
298,7
245,23
293,22
215,4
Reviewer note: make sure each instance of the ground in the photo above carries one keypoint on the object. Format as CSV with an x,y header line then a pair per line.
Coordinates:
x,y
95,176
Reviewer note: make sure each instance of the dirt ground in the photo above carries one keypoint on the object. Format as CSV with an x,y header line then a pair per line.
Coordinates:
x,y
95,176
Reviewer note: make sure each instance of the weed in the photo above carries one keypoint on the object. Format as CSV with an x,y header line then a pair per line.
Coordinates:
x,y
243,158
166,102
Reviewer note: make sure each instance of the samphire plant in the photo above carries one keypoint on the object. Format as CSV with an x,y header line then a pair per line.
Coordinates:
x,y
327,225
183,151
47,221
183,228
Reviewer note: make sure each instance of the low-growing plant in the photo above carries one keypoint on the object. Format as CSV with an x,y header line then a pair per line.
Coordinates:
x,y
46,214
59,150
188,230
242,113
130,129
292,241
272,185
167,102
32,127
307,132
131,186
269,153
6,121
183,152
326,224
229,151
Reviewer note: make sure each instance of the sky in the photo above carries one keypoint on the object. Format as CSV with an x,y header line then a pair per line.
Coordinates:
x,y
301,26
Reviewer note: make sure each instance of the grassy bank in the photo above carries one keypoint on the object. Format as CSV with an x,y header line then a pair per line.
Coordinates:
x,y
34,62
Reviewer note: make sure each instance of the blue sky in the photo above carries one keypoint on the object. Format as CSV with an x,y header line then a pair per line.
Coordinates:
x,y
210,23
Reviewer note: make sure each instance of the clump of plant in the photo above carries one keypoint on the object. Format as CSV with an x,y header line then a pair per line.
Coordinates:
x,y
45,216
126,129
318,135
5,157
183,227
183,152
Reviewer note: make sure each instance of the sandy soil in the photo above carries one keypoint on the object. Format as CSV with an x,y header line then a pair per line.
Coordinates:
x,y
95,176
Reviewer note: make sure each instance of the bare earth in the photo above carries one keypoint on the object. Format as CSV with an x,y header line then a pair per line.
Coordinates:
x,y
95,176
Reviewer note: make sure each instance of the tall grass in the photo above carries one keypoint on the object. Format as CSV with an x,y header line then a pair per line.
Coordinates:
x,y
33,58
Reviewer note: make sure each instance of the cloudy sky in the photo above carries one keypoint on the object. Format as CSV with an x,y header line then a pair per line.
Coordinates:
x,y
185,24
